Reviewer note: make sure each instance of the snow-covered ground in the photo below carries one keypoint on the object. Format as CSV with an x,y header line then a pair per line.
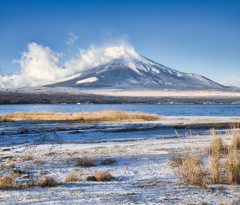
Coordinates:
x,y
167,93
143,174
131,93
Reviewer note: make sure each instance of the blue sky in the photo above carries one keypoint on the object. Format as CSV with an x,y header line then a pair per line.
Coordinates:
x,y
194,36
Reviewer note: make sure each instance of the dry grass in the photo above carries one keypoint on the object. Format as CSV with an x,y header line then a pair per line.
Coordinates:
x,y
215,172
230,171
216,145
192,171
103,176
176,162
111,115
7,182
215,151
232,166
28,157
223,166
91,178
108,161
46,181
38,162
85,162
73,177
235,140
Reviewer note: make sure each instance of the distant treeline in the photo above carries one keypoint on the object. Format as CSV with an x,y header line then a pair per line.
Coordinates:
x,y
27,98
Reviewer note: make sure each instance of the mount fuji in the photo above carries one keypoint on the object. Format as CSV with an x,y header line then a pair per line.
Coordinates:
x,y
130,71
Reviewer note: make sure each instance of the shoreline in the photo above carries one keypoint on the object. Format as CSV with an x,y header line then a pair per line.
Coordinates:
x,y
69,97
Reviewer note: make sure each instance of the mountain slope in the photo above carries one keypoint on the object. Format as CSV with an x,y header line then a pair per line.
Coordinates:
x,y
131,71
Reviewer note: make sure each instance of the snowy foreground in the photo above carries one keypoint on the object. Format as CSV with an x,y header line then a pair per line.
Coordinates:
x,y
143,174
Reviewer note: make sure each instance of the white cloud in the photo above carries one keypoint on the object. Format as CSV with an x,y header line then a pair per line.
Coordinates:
x,y
233,80
72,38
95,56
39,64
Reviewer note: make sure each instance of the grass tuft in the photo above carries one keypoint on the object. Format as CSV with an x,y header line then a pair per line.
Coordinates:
x,y
103,176
7,182
235,140
223,166
46,181
176,162
72,177
232,166
108,161
191,170
85,162
216,145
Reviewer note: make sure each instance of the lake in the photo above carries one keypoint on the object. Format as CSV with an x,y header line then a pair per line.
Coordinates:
x,y
161,109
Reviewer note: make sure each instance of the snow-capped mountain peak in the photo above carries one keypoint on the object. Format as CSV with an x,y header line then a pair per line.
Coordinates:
x,y
126,69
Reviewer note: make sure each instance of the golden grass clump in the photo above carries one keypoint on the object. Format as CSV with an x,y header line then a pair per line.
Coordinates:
x,y
215,151
216,145
235,140
228,172
73,177
85,162
7,182
46,181
223,166
111,115
232,166
114,115
191,170
103,176
215,172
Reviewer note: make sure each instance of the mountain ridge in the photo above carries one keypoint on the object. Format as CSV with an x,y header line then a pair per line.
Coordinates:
x,y
136,72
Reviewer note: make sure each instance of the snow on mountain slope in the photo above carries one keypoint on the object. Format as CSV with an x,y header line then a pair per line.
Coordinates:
x,y
128,70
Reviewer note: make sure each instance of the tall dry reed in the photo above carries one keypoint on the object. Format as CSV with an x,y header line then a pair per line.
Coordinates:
x,y
191,170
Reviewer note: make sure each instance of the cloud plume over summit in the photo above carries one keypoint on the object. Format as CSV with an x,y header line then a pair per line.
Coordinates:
x,y
40,64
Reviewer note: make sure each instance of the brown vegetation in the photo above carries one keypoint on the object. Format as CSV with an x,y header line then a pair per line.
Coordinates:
x,y
191,170
215,150
7,182
85,162
111,115
235,140
108,161
103,176
46,181
232,166
72,177
216,145
223,166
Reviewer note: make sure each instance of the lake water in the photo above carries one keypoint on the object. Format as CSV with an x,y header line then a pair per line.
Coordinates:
x,y
161,109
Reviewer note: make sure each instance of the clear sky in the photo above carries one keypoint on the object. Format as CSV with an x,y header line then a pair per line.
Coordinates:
x,y
197,36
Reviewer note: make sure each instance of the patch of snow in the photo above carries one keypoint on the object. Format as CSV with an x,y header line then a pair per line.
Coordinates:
x,y
87,80
63,80
133,67
180,74
155,70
